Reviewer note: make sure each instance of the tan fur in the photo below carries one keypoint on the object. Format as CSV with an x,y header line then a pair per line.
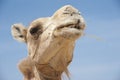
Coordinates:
x,y
26,67
50,43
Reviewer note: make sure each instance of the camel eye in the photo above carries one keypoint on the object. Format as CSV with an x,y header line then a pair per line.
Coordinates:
x,y
36,30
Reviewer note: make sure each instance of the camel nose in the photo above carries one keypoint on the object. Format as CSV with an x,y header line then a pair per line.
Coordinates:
x,y
68,9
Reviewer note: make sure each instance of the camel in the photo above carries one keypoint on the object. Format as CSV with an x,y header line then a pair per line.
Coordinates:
x,y
50,42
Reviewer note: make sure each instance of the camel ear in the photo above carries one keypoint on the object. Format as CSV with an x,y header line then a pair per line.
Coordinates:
x,y
19,32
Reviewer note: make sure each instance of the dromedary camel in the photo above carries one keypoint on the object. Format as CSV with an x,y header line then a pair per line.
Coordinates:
x,y
50,43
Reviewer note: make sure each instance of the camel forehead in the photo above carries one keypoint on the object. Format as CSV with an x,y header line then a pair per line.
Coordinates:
x,y
40,21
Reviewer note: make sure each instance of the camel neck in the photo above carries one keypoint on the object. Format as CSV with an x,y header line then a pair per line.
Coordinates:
x,y
46,72
50,78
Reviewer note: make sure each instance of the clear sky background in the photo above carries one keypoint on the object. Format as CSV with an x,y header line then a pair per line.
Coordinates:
x,y
96,55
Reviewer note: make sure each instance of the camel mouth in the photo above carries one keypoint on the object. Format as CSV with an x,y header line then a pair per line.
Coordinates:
x,y
72,26
72,30
76,26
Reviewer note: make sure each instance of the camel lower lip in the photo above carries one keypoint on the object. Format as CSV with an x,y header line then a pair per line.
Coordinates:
x,y
70,26
70,29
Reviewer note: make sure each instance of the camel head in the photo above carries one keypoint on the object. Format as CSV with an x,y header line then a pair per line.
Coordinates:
x,y
51,40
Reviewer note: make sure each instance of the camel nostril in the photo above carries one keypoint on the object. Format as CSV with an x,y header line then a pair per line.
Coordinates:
x,y
34,30
78,21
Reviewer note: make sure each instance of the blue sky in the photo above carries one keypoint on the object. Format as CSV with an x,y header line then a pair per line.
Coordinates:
x,y
96,55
